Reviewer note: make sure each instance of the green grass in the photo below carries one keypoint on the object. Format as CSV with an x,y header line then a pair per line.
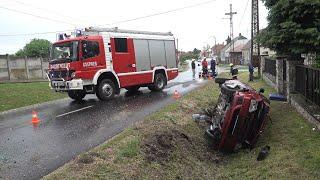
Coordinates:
x,y
129,150
15,95
239,67
294,147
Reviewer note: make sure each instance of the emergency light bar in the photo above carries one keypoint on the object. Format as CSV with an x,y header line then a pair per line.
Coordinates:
x,y
115,29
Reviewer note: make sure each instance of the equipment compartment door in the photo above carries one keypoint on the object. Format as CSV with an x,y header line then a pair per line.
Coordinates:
x,y
123,55
142,54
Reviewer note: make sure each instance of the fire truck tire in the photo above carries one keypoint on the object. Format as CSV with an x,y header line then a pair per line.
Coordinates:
x,y
106,90
159,83
77,95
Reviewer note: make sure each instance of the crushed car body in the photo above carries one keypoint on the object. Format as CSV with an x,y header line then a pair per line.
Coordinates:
x,y
239,117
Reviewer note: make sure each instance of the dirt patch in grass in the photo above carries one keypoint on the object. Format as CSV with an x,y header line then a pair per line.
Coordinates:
x,y
86,159
160,146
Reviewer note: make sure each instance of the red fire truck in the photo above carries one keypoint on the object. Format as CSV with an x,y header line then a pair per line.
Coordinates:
x,y
101,61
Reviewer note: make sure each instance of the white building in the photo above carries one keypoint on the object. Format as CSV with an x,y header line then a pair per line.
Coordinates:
x,y
246,52
234,44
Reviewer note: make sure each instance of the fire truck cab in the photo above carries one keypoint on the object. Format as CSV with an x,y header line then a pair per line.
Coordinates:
x,y
101,61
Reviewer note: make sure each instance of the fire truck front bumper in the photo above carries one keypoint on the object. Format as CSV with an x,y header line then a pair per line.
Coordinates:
x,y
75,84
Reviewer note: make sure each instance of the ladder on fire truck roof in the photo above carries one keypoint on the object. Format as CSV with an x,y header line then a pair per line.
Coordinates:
x,y
115,29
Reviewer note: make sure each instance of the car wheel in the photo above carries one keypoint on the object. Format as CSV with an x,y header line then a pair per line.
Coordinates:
x,y
77,95
221,80
106,90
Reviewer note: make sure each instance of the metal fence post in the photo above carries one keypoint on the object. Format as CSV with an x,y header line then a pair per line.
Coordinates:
x,y
306,82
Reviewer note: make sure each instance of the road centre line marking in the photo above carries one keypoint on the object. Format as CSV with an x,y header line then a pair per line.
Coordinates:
x,y
74,111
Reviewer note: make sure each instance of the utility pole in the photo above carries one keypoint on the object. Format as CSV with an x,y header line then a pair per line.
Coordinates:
x,y
230,14
255,47
215,44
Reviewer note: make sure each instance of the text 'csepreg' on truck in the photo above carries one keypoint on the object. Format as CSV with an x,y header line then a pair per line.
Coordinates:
x,y
101,61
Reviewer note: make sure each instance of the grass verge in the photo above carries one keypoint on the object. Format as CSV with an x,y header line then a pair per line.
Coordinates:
x,y
15,95
170,145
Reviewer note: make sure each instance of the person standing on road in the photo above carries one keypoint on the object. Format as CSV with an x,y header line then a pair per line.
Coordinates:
x,y
213,67
204,67
231,69
251,70
193,67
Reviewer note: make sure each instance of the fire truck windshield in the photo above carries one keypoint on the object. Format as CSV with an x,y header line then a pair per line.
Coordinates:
x,y
64,52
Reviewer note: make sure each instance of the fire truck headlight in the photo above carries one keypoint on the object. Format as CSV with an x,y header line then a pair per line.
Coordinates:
x,y
253,105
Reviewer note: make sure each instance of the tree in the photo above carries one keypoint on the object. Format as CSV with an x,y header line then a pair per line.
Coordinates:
x,y
293,27
189,55
36,48
196,52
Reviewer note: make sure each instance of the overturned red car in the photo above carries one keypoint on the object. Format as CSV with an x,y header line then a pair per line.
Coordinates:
x,y
239,117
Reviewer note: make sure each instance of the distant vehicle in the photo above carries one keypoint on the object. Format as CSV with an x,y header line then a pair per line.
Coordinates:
x,y
101,61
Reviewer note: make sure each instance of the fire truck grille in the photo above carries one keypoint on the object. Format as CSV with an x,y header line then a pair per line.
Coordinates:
x,y
60,74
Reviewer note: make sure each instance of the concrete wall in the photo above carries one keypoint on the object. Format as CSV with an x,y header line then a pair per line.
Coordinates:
x,y
22,69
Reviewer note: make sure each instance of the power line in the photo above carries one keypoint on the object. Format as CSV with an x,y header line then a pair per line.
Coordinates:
x,y
244,12
117,22
37,16
46,10
32,34
161,13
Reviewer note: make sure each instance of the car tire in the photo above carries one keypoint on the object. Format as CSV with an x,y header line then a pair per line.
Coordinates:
x,y
106,90
77,95
228,92
221,80
160,81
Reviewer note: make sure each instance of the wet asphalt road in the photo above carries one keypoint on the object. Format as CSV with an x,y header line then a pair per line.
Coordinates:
x,y
27,152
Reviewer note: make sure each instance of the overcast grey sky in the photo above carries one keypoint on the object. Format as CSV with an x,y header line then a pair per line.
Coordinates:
x,y
194,27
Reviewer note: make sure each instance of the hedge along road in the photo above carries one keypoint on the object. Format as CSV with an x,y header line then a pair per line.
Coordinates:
x,y
68,128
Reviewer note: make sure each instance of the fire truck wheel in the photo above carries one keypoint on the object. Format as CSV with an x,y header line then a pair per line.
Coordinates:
x,y
159,83
106,90
77,95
